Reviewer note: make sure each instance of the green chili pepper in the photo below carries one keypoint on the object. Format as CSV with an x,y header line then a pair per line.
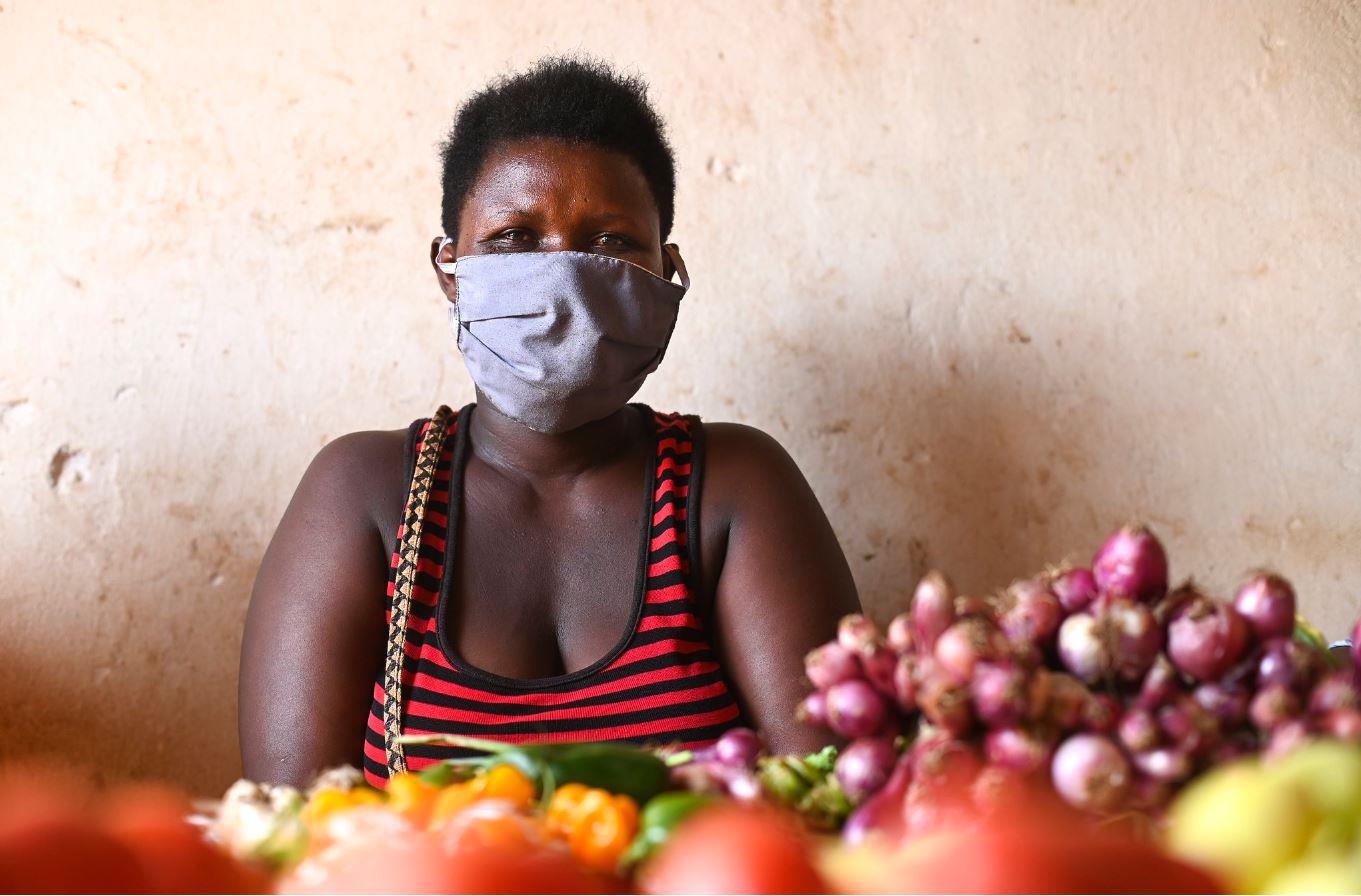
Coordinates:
x,y
618,768
659,820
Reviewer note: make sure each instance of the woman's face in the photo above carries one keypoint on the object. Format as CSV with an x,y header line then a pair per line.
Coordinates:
x,y
549,196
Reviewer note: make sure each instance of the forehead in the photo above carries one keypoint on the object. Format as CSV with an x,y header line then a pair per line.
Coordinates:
x,y
554,175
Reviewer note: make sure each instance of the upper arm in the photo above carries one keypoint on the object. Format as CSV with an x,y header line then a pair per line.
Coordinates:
x,y
784,581
315,629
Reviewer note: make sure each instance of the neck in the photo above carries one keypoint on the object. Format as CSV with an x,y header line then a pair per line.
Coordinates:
x,y
514,448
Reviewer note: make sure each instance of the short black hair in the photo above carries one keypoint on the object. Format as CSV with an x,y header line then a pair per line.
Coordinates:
x,y
573,99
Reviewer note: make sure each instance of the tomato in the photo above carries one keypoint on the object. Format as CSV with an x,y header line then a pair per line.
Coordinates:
x,y
173,853
47,851
735,849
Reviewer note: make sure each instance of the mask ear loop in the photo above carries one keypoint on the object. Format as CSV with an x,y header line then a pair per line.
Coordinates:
x,y
673,251
445,266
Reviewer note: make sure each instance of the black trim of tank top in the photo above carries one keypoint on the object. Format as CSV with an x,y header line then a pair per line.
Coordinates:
x,y
446,646
700,595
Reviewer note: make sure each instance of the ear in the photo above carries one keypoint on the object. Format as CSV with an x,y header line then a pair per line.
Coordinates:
x,y
673,264
447,283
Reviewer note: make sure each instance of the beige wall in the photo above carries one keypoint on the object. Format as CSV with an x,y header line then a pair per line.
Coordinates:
x,y
1000,275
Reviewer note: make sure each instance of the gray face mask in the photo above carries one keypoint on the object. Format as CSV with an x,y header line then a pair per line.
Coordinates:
x,y
556,340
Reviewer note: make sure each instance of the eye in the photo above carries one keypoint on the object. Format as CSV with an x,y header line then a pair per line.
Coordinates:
x,y
614,241
511,238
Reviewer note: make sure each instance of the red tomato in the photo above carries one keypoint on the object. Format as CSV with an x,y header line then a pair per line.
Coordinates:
x,y
735,849
173,853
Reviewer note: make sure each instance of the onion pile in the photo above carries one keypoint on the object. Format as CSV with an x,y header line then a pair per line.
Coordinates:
x,y
1099,681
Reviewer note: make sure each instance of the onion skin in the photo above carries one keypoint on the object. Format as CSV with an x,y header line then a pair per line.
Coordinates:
x,y
1091,773
1138,731
1034,615
1273,706
1227,703
1131,564
738,747
943,761
1267,602
1074,588
933,609
881,816
1344,724
864,766
1132,636
1288,662
1018,749
878,664
1101,714
946,703
1207,640
813,709
1287,738
900,633
1058,699
965,644
1187,725
1160,685
1083,651
1000,694
854,709
857,633
830,664
1166,764
1336,690
905,683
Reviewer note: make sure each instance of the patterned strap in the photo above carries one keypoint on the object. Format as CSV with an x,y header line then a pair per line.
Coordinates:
x,y
408,550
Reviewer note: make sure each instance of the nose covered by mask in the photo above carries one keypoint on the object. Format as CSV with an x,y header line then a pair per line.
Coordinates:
x,y
556,340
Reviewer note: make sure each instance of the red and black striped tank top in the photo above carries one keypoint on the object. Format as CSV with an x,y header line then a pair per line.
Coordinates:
x,y
661,684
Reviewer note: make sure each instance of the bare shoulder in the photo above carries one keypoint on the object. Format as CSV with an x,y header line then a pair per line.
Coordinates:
x,y
743,463
360,474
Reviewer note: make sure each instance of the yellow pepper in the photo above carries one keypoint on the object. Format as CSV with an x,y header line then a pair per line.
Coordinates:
x,y
325,803
597,825
411,796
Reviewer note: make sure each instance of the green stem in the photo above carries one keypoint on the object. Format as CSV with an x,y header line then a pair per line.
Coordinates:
x,y
480,744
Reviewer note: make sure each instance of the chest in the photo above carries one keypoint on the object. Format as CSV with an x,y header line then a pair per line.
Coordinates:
x,y
546,578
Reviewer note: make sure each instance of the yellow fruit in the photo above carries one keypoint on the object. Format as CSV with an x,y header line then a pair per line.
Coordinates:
x,y
1323,874
1241,824
1328,772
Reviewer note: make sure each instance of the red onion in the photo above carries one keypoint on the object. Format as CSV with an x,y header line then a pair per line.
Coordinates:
x,y
1000,694
1149,795
1286,738
878,663
1091,773
1273,706
1236,746
1161,684
1227,703
829,664
964,644
1138,730
1082,649
1164,764
1336,690
1132,636
743,785
1019,749
900,633
905,683
1034,614
1058,699
1188,726
933,609
945,703
1074,588
1356,644
857,633
854,709
973,605
1267,602
1131,564
738,747
864,766
1101,714
882,814
942,761
1288,662
813,709
1344,724
1207,639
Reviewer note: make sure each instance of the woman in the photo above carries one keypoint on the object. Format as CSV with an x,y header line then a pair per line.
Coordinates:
x,y
537,590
